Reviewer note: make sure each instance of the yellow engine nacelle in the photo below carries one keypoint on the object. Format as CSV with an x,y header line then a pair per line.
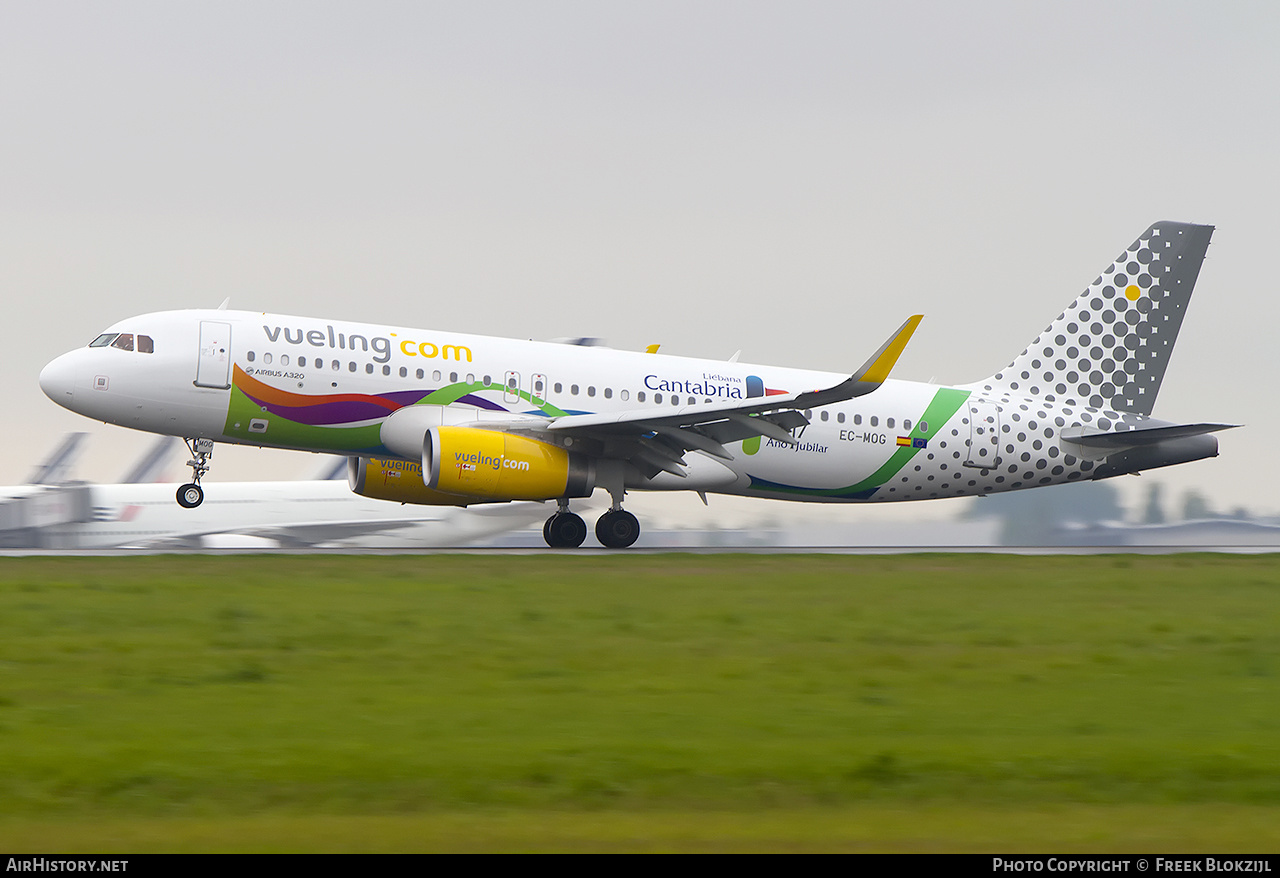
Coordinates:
x,y
396,480
492,465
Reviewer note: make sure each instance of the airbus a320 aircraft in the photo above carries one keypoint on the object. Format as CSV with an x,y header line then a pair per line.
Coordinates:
x,y
434,417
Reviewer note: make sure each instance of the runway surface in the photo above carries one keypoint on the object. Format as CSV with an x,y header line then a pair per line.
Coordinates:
x,y
685,550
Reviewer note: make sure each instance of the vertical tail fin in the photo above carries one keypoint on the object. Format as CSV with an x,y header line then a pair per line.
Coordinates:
x,y
1111,346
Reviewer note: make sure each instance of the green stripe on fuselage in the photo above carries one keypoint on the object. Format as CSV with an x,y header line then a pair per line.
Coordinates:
x,y
945,403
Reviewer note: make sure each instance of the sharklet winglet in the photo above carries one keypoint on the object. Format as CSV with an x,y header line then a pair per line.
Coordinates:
x,y
872,374
877,369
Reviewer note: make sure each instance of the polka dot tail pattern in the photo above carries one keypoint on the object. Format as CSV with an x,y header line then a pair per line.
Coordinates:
x,y
1110,348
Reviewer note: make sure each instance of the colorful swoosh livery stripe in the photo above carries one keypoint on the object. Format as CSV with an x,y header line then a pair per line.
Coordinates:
x,y
945,403
347,422
323,409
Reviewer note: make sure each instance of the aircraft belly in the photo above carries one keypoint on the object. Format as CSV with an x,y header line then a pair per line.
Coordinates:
x,y
818,461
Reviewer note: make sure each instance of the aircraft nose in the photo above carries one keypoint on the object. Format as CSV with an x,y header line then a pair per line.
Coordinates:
x,y
58,380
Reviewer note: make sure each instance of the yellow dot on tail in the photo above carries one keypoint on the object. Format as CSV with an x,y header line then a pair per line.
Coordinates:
x,y
1132,293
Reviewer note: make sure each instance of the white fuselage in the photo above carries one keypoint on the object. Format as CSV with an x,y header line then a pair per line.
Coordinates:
x,y
327,386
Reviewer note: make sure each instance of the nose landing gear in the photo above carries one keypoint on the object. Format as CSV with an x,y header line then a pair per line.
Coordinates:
x,y
191,495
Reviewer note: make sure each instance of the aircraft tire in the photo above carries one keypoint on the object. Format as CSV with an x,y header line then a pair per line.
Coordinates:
x,y
617,529
190,496
565,530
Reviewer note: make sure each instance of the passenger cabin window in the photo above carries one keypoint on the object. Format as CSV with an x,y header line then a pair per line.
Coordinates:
x,y
250,356
266,358
624,395
302,361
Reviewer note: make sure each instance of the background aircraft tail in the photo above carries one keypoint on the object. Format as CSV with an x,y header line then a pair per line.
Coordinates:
x,y
1111,346
56,468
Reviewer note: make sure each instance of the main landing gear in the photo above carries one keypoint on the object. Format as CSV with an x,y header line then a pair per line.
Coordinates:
x,y
191,495
616,529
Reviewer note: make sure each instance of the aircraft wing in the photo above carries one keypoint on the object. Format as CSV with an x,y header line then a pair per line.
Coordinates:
x,y
655,441
299,535
304,534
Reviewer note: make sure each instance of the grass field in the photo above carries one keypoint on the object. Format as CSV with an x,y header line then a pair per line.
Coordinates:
x,y
640,702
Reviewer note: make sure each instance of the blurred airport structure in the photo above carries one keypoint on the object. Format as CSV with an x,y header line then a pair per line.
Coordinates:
x,y
52,511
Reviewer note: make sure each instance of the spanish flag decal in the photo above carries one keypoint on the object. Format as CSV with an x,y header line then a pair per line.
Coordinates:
x,y
908,442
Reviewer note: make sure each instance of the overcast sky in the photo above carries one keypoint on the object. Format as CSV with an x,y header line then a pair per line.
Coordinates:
x,y
790,179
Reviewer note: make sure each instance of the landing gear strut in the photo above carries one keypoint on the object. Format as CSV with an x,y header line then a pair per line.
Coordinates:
x,y
191,495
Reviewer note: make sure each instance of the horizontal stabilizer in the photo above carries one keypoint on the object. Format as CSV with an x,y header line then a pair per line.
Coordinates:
x,y
1117,439
1159,438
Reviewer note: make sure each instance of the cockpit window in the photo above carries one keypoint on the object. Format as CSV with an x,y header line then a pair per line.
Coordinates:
x,y
124,341
145,346
103,340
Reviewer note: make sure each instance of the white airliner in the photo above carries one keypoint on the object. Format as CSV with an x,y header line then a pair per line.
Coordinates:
x,y
434,417
297,514
53,512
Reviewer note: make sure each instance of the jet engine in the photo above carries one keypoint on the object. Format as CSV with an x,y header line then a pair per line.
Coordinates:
x,y
493,465
397,480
